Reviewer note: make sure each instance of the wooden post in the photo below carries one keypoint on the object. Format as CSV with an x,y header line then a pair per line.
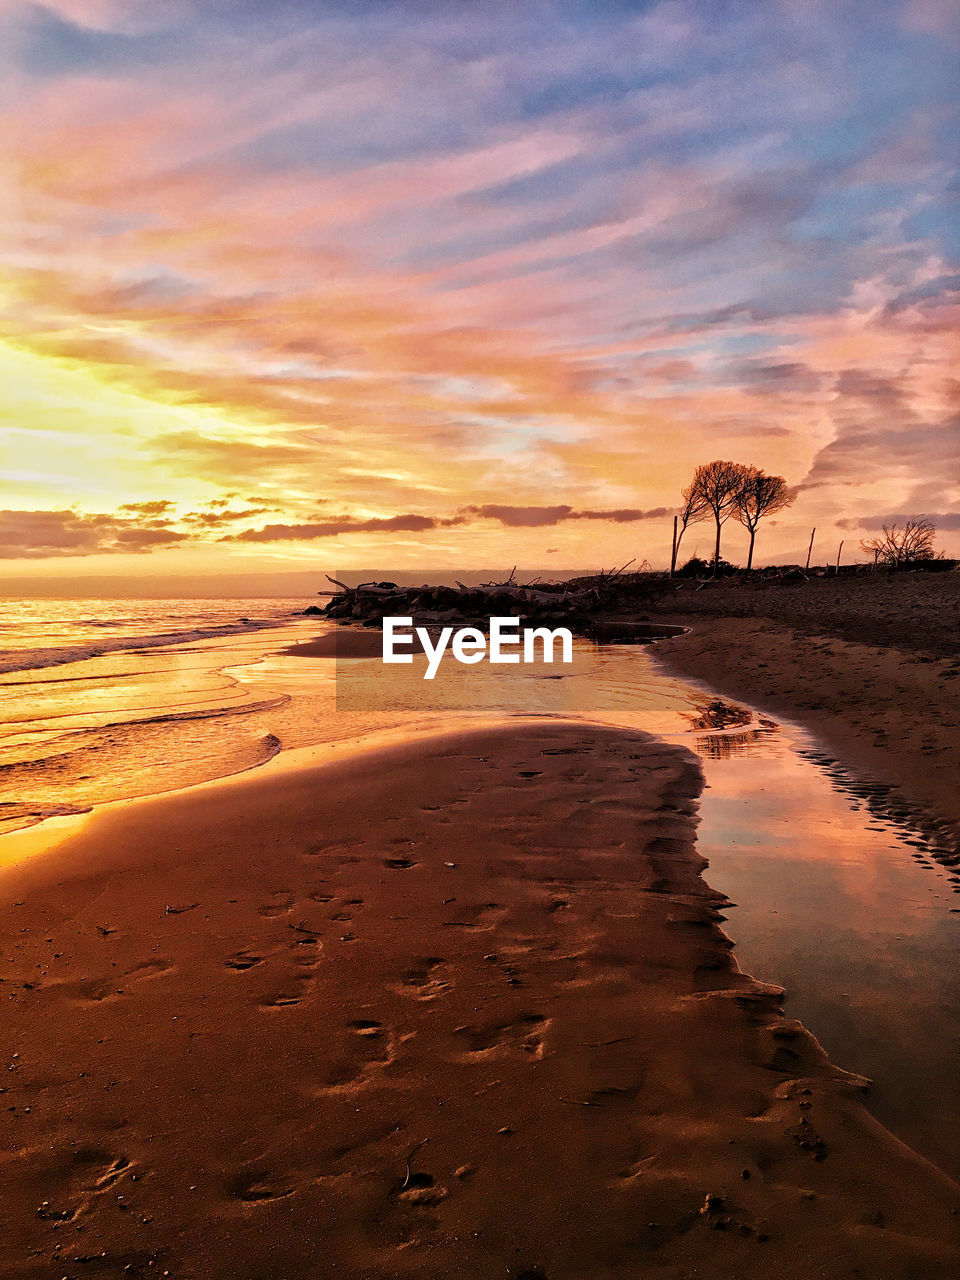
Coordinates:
x,y
839,549
673,549
810,548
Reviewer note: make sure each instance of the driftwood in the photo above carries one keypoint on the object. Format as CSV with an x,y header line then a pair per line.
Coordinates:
x,y
588,605
577,604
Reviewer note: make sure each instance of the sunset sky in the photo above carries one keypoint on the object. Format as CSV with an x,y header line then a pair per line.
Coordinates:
x,y
300,284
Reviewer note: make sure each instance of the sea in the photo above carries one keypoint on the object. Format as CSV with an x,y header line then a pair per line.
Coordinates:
x,y
47,633
110,699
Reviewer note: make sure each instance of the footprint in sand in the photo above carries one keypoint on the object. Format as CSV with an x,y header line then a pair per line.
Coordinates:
x,y
115,1169
421,1189
367,1048
304,954
243,960
97,1172
257,1188
281,1001
524,1035
114,987
424,979
148,969
400,864
281,901
366,1027
479,918
336,857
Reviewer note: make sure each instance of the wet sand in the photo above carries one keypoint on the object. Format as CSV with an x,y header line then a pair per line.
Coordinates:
x,y
342,642
887,711
462,1007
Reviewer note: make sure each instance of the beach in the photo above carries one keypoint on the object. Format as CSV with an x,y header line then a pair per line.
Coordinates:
x,y
431,995
460,1008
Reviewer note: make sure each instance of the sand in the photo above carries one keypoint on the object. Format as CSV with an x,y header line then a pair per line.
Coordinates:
x,y
344,642
870,665
457,1008
917,611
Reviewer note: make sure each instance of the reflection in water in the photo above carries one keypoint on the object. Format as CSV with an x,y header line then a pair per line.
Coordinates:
x,y
720,746
885,804
838,898
721,715
833,905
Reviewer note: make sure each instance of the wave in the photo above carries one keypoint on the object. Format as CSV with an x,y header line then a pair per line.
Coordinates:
x,y
204,713
40,659
166,717
16,815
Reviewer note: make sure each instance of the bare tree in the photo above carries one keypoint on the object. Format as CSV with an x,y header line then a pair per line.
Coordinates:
x,y
760,495
718,485
904,544
694,509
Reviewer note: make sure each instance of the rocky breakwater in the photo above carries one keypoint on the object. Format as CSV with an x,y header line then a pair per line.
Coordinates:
x,y
603,608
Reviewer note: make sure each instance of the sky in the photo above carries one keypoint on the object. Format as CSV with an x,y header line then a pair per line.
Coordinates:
x,y
298,285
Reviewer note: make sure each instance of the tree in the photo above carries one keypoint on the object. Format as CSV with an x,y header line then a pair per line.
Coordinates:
x,y
718,485
903,545
760,495
694,508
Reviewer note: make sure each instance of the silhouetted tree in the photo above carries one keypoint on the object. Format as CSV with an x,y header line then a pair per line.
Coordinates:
x,y
718,486
903,545
760,495
694,509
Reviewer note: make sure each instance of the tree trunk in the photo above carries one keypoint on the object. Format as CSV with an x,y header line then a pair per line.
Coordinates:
x,y
810,548
716,553
676,547
753,534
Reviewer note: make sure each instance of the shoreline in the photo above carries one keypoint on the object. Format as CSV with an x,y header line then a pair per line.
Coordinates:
x,y
882,714
498,1027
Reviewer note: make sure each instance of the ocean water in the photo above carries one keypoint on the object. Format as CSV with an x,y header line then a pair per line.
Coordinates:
x,y
108,699
45,633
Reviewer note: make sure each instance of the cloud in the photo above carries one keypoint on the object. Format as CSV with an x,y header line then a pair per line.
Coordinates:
x,y
932,295
219,458
792,376
941,520
221,514
522,517
50,44
511,517
333,528
412,255
539,517
155,508
886,432
29,535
